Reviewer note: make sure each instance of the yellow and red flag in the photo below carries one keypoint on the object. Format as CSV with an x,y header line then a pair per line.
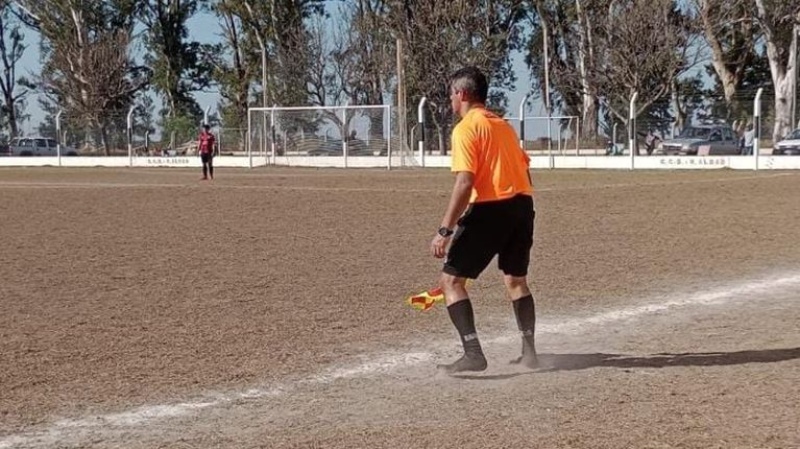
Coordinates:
x,y
427,299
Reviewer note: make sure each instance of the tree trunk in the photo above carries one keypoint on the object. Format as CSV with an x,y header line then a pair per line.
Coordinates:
x,y
782,73
376,120
586,54
727,77
677,105
782,77
104,139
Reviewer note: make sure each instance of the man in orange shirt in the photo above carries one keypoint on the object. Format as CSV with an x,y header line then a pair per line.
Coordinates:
x,y
492,206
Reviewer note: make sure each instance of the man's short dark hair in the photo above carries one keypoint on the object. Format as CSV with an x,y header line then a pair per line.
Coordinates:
x,y
206,126
472,82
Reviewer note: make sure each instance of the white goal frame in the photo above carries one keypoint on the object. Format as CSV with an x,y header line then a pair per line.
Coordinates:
x,y
268,129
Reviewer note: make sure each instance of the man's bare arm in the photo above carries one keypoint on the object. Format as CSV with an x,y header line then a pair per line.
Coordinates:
x,y
459,199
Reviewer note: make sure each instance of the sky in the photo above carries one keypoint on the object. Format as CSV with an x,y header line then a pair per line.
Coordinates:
x,y
205,28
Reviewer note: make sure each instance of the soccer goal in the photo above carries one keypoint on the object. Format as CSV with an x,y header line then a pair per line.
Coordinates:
x,y
326,136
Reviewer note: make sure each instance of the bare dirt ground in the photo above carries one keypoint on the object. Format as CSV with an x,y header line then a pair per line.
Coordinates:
x,y
143,308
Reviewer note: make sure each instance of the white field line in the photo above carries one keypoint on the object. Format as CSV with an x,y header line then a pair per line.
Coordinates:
x,y
198,185
376,364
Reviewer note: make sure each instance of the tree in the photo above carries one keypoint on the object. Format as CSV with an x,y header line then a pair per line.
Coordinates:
x,y
11,51
279,28
647,45
87,69
441,36
234,69
571,28
779,22
730,32
351,61
179,66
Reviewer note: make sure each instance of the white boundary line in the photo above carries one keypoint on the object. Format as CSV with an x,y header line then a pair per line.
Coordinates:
x,y
198,185
63,430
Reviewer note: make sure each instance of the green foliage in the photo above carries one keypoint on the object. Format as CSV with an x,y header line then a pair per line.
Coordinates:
x,y
12,48
180,67
185,128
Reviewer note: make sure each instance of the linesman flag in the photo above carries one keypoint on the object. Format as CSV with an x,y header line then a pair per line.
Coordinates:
x,y
427,299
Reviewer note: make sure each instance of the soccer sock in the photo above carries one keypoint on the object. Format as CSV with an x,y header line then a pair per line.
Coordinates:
x,y
205,170
211,167
525,311
463,318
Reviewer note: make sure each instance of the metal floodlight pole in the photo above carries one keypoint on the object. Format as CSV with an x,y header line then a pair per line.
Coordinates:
x,y
632,127
58,135
421,123
757,128
522,121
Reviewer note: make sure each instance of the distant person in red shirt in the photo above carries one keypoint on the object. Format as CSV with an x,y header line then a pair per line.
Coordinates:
x,y
205,146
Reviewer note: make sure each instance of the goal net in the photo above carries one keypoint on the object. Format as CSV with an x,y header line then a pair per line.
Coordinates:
x,y
327,136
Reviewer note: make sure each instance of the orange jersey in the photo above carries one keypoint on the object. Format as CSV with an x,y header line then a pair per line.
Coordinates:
x,y
488,147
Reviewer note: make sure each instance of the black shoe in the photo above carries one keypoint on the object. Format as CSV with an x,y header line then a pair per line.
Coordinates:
x,y
465,363
528,358
528,361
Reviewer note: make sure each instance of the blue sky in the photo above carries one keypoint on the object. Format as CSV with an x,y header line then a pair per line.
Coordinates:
x,y
204,28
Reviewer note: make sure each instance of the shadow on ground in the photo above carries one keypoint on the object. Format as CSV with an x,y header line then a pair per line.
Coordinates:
x,y
575,362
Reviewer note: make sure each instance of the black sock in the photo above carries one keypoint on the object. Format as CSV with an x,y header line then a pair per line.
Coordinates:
x,y
205,171
211,169
525,311
464,320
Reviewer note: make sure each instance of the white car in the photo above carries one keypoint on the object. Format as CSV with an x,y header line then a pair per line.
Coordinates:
x,y
38,146
790,145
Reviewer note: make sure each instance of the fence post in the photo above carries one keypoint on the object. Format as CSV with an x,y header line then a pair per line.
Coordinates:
x,y
522,122
130,135
345,133
757,128
272,136
249,142
388,136
632,128
58,135
421,124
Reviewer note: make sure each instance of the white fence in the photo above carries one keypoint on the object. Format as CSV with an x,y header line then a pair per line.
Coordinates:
x,y
364,136
762,162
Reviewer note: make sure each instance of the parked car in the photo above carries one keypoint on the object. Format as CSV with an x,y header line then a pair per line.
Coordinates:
x,y
719,138
38,146
790,145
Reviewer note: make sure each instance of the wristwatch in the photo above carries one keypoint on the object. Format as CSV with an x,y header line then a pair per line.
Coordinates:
x,y
445,232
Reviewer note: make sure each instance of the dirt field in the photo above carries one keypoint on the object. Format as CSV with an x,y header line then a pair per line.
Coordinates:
x,y
145,309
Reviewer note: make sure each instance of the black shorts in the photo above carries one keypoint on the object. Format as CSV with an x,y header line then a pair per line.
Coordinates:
x,y
206,157
496,228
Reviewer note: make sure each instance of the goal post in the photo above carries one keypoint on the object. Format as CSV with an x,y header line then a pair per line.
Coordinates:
x,y
326,136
